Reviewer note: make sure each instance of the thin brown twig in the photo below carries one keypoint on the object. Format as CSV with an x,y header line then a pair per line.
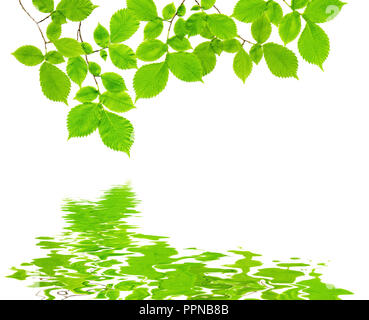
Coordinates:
x,y
286,3
42,20
172,20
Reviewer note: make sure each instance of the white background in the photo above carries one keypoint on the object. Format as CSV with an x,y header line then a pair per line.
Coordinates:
x,y
279,167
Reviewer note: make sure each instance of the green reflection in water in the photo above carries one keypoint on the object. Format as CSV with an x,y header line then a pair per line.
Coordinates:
x,y
100,256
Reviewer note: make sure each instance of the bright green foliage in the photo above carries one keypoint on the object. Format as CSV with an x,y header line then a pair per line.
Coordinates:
x,y
77,70
54,83
320,11
29,55
150,80
122,56
222,26
117,101
281,61
123,25
101,36
87,94
188,59
169,11
113,82
75,10
151,50
116,132
45,6
242,65
185,66
83,120
314,44
69,47
261,29
145,10
290,27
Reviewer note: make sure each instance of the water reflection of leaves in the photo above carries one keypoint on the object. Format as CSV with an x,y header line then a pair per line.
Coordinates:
x,y
100,256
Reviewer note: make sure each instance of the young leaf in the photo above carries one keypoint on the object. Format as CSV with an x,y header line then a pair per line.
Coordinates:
x,y
122,56
53,31
153,29
232,46
217,46
69,47
242,65
113,82
249,10
281,61
181,10
180,28
54,83
320,11
151,50
103,55
207,57
145,10
77,70
274,12
101,36
169,11
290,27
261,29
222,26
150,80
314,44
256,53
185,66
83,120
45,6
86,94
123,25
94,68
87,48
195,23
116,132
299,4
54,57
75,10
207,4
58,17
179,43
29,55
117,101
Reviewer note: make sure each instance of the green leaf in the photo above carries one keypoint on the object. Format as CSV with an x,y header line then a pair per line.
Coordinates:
x,y
54,83
116,132
256,53
195,23
281,61
75,10
153,29
249,10
83,120
180,28
150,80
207,4
217,46
58,17
320,11
86,94
196,8
113,82
69,47
181,10
87,48
103,55
207,57
54,57
242,65
274,12
77,70
122,56
179,43
314,44
94,68
151,50
117,101
299,4
185,66
45,6
261,29
232,46
123,25
101,36
53,31
145,10
290,27
29,55
169,11
222,26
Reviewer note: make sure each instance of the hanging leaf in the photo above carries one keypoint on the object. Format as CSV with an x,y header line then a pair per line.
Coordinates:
x,y
45,6
145,10
77,70
69,47
123,25
249,10
29,55
113,82
83,120
87,94
290,27
75,10
242,65
151,50
117,101
320,11
101,36
122,56
185,66
222,26
261,29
